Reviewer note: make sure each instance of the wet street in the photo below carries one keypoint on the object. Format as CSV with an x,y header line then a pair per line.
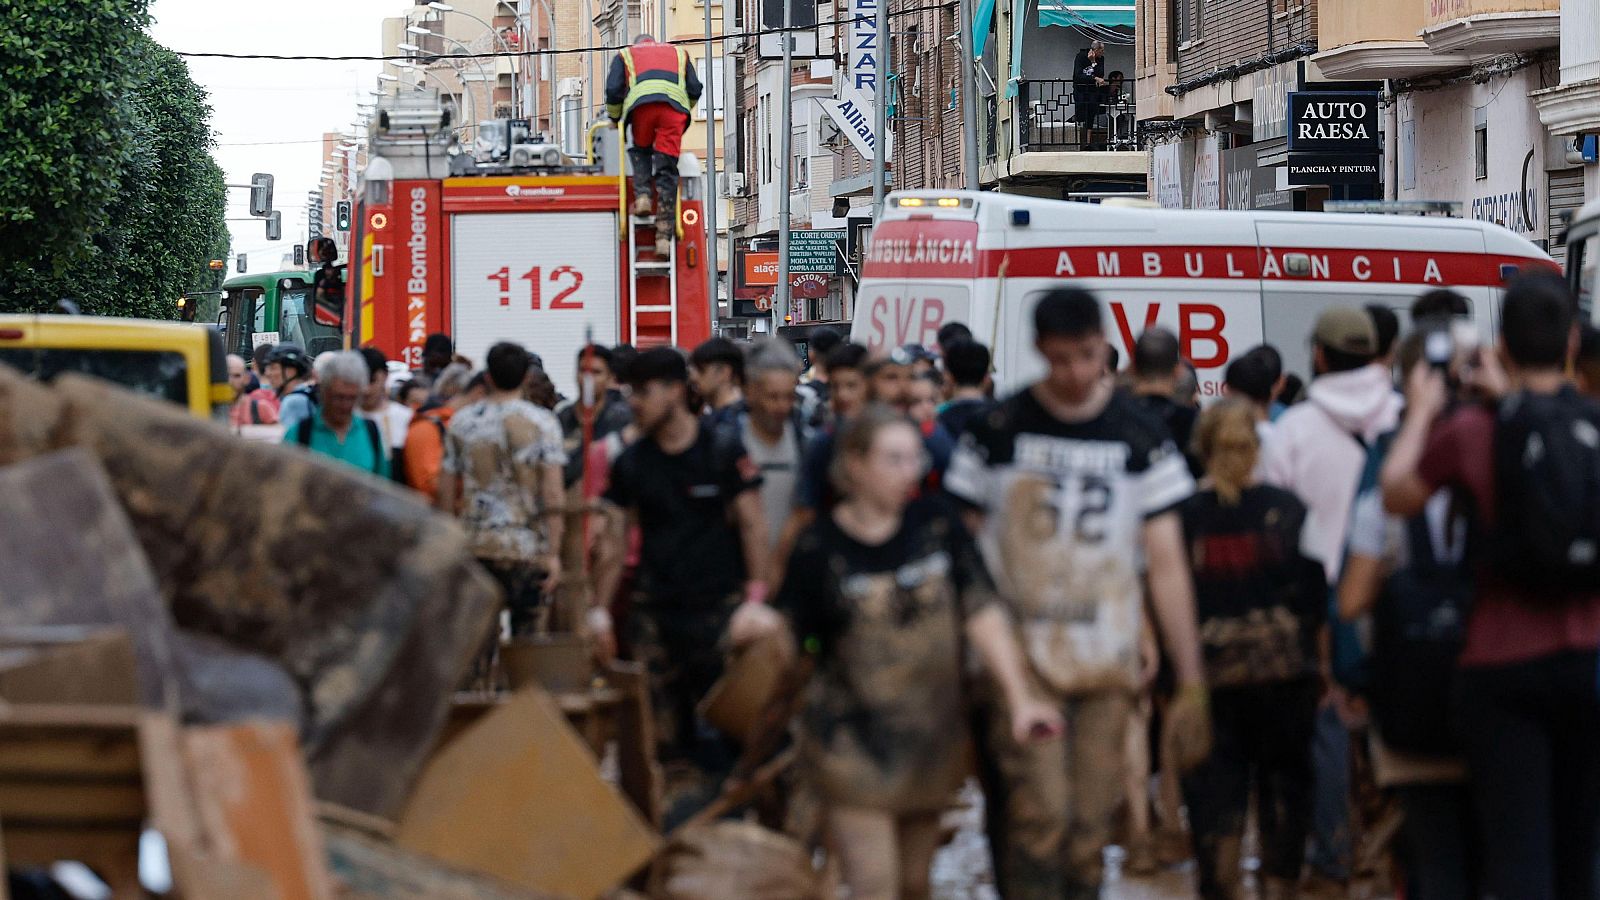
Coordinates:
x,y
961,870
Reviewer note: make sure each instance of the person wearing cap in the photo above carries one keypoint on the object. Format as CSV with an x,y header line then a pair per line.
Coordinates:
x,y
1317,450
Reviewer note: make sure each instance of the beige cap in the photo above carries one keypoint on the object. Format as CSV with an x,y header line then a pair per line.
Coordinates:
x,y
1347,330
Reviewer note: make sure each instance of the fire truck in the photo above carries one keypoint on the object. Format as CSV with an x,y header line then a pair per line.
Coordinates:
x,y
515,241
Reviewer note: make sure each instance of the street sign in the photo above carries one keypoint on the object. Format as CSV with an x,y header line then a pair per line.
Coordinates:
x,y
817,250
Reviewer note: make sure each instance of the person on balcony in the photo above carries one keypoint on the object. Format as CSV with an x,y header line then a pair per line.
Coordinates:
x,y
1088,82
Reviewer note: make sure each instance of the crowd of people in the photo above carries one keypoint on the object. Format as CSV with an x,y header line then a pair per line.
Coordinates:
x,y
1342,621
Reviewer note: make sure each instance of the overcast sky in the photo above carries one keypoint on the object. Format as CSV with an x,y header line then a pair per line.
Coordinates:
x,y
269,115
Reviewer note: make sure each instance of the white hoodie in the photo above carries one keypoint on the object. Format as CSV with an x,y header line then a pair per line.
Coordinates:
x,y
1313,452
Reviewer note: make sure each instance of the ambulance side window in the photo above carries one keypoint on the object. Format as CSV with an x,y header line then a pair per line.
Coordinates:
x,y
1288,317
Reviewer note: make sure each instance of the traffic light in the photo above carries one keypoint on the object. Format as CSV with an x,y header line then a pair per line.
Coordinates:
x,y
299,254
275,226
260,194
341,215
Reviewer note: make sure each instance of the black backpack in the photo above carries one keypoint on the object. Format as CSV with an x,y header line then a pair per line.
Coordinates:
x,y
1547,489
1418,625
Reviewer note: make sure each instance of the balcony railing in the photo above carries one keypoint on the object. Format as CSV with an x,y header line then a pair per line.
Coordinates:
x,y
1049,120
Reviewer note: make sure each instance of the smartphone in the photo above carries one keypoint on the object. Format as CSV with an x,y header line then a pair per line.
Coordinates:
x,y
1439,348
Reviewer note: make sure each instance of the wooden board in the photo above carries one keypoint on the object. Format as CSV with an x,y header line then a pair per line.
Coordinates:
x,y
518,796
254,803
70,788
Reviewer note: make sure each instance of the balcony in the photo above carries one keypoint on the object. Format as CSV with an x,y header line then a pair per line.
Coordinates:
x,y
1044,134
1378,39
1484,28
1052,122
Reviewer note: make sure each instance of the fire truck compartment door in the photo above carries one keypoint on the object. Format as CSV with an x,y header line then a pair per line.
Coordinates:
x,y
545,280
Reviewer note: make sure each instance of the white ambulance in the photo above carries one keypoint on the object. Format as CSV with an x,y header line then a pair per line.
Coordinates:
x,y
1224,282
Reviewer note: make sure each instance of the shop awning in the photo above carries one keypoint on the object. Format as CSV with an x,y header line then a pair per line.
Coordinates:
x,y
1105,13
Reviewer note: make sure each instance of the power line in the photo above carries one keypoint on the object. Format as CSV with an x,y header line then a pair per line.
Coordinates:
x,y
694,42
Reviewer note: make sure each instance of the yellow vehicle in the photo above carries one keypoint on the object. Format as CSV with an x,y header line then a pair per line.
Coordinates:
x,y
176,361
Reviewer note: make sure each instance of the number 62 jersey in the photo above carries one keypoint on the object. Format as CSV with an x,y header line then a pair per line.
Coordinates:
x,y
1065,506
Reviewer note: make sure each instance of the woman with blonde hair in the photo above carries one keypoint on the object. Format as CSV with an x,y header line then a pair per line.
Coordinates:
x,y
1260,603
882,593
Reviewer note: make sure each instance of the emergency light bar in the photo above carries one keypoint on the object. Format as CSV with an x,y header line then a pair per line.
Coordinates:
x,y
942,202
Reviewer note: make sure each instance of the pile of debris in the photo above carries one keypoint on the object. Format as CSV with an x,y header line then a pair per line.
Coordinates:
x,y
239,662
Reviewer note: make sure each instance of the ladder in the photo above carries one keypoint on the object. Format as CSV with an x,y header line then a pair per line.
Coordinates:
x,y
653,271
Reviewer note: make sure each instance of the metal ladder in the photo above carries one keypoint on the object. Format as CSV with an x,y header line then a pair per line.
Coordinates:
x,y
650,268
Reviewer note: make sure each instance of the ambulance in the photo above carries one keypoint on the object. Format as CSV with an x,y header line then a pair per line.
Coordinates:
x,y
1223,282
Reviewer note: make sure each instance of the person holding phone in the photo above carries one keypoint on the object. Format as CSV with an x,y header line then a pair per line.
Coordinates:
x,y
881,594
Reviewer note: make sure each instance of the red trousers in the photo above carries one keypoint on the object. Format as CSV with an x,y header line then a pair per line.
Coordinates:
x,y
659,126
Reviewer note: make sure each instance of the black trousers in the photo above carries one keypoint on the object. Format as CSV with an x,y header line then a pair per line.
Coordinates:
x,y
1438,851
1261,737
1532,740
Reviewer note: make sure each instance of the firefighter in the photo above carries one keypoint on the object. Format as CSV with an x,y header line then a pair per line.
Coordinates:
x,y
651,87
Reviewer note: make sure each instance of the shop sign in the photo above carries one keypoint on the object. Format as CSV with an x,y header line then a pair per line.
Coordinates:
x,y
1334,168
1333,122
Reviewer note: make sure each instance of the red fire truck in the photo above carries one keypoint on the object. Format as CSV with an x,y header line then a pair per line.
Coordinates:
x,y
543,253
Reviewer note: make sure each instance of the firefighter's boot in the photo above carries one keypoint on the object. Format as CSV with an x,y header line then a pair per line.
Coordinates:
x,y
639,161
665,178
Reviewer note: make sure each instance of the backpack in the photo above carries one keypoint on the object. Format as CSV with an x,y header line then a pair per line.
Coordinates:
x,y
1547,490
1349,651
1418,626
302,436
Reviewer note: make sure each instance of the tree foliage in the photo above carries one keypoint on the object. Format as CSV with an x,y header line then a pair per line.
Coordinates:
x,y
108,191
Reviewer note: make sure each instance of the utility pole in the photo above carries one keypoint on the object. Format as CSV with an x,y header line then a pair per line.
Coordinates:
x,y
969,99
780,297
661,8
880,111
708,79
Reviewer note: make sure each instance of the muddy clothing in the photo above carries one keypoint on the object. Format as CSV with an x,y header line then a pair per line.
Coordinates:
x,y
1061,798
884,720
1261,739
1259,600
682,650
692,552
1066,504
497,449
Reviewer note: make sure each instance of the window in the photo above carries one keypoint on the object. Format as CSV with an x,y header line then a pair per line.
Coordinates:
x,y
766,138
1480,143
711,78
1188,18
154,373
800,159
